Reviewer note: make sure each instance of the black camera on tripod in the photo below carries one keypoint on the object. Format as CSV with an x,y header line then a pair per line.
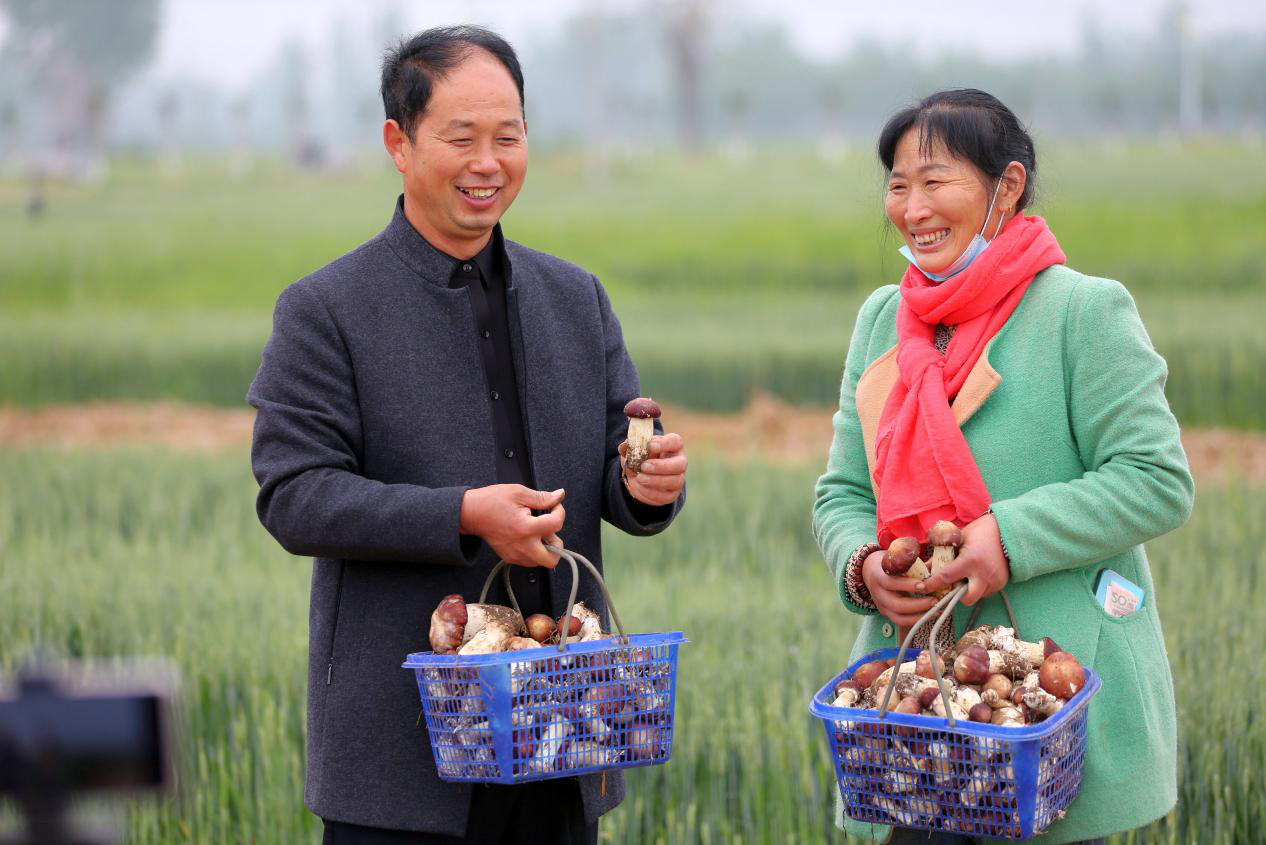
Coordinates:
x,y
77,731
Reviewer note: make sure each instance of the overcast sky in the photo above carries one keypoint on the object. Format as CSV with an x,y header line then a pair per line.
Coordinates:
x,y
228,41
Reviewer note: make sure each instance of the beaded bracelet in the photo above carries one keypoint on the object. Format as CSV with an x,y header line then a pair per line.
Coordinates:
x,y
856,588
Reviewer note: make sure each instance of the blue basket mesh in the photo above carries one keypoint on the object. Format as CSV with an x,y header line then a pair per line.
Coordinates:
x,y
542,713
971,779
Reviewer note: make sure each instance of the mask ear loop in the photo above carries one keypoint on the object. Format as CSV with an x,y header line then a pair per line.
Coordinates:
x,y
996,189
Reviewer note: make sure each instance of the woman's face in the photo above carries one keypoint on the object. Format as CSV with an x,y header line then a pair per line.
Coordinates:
x,y
937,201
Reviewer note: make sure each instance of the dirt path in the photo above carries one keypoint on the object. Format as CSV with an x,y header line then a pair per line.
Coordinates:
x,y
767,427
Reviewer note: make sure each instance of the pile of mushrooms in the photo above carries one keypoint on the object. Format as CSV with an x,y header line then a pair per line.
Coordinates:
x,y
929,775
991,677
461,628
569,710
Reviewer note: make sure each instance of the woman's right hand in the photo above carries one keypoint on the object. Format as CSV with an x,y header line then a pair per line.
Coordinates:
x,y
888,593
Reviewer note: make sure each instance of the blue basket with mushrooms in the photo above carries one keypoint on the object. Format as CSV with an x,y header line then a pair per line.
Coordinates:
x,y
990,746
569,700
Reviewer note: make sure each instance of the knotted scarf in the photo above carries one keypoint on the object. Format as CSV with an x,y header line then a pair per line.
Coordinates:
x,y
924,470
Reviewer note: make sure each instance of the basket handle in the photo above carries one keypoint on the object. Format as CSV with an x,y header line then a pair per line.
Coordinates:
x,y
943,609
571,558
975,614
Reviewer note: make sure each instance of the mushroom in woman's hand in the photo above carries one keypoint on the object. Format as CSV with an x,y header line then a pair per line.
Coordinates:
x,y
945,538
642,414
902,558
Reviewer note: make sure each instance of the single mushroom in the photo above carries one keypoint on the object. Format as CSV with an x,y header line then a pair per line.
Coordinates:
x,y
481,616
642,414
520,644
539,627
448,623
902,558
981,712
553,737
945,539
1062,675
1008,717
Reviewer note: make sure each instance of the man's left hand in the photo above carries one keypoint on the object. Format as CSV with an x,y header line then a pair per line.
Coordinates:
x,y
663,473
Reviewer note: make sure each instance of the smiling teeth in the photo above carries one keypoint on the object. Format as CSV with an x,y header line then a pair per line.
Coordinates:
x,y
478,193
931,237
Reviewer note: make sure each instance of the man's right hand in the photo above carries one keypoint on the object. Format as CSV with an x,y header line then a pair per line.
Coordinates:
x,y
501,514
888,592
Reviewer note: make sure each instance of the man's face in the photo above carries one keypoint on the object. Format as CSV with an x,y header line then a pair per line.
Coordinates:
x,y
468,156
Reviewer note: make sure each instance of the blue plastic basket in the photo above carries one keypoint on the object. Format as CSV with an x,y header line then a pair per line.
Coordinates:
x,y
550,712
971,779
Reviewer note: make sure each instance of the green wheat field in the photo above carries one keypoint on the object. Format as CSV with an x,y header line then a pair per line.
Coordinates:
x,y
729,277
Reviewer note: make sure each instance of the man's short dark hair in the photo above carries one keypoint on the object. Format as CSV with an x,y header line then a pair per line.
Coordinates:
x,y
411,69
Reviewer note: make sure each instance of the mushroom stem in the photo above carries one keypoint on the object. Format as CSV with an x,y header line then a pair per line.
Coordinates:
x,y
640,433
944,537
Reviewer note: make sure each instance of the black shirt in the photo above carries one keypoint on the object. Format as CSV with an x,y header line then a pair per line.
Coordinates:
x,y
485,278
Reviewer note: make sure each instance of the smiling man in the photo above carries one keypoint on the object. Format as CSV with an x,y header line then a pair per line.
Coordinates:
x,y
425,404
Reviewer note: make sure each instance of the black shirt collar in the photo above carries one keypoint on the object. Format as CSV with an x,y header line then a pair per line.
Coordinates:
x,y
433,264
490,259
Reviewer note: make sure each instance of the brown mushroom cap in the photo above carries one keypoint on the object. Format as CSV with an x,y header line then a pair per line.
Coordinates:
x,y
901,555
945,533
642,408
453,608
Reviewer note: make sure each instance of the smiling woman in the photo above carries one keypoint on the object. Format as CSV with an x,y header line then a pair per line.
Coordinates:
x,y
999,390
946,186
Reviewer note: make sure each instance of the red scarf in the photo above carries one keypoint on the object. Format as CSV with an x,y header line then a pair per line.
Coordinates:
x,y
924,470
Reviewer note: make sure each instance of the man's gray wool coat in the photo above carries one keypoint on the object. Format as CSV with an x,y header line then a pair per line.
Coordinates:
x,y
373,420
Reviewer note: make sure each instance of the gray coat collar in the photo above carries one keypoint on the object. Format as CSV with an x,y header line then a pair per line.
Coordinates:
x,y
433,265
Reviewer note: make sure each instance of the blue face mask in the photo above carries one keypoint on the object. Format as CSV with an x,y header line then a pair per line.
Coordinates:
x,y
975,248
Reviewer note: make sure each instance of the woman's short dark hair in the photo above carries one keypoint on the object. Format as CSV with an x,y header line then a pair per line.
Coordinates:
x,y
411,69
972,125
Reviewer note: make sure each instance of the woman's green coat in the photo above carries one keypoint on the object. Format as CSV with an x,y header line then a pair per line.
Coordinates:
x,y
1067,419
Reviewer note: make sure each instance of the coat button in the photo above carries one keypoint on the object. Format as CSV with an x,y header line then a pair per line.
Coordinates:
x,y
509,453
486,334
532,578
887,629
466,268
495,395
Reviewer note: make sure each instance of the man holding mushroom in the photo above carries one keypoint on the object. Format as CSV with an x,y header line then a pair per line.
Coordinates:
x,y
425,404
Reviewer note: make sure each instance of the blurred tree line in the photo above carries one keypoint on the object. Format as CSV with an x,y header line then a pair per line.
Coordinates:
x,y
755,84
689,73
60,65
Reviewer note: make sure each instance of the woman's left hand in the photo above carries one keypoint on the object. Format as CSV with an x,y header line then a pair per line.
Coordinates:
x,y
980,560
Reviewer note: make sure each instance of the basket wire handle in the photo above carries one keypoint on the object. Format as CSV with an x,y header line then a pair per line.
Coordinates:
x,y
501,567
975,614
943,610
571,558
